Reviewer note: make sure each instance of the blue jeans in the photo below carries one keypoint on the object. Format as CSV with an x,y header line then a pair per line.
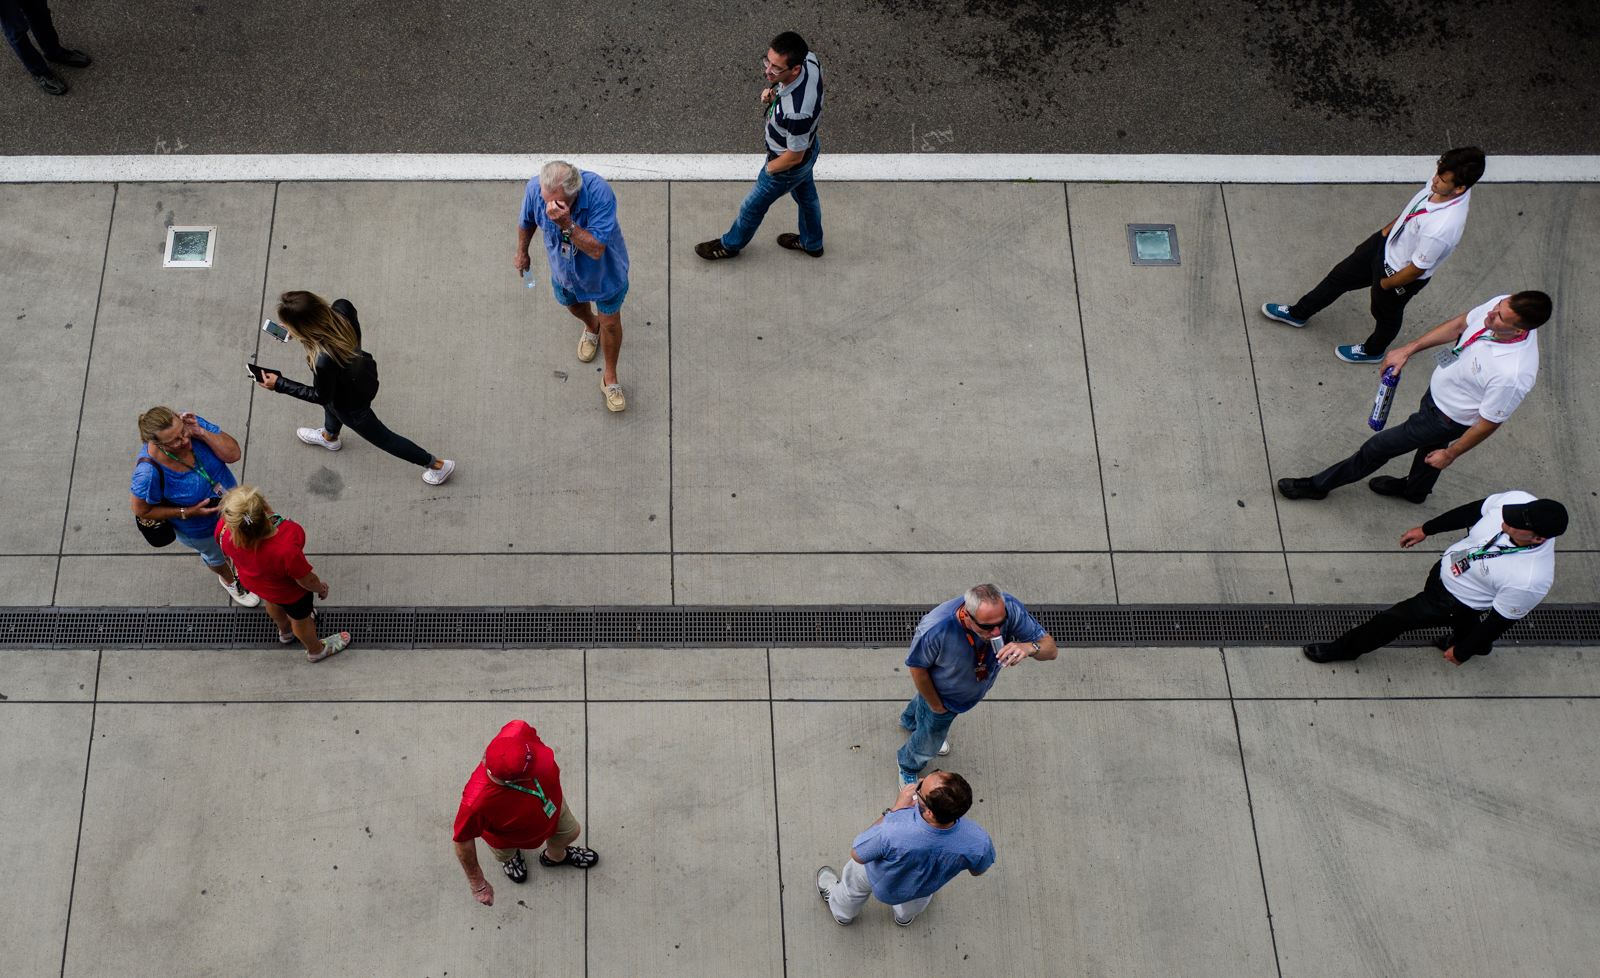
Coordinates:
x,y
209,549
928,730
797,183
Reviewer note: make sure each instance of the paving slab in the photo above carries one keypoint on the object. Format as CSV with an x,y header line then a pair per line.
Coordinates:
x,y
279,673
474,367
1076,673
1074,902
682,814
496,579
46,750
901,578
225,825
173,336
1511,670
676,674
1518,237
931,399
1170,374
53,237
1344,577
1217,577
1428,838
27,581
48,675
173,576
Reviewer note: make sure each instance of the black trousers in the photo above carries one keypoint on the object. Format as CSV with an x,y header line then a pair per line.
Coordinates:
x,y
367,425
1425,431
1431,606
1363,270
17,18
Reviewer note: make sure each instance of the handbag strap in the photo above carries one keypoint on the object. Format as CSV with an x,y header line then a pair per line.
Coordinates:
x,y
153,465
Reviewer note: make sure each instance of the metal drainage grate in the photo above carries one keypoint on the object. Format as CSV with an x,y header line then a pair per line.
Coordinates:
x,y
728,626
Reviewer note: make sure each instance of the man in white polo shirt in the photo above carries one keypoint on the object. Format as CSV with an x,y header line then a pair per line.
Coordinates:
x,y
1397,262
1480,587
1488,367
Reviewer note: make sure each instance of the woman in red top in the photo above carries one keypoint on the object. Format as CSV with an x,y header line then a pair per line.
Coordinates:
x,y
268,552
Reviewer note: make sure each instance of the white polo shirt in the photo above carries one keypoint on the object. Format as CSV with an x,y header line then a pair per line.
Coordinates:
x,y
1511,584
1425,233
1489,379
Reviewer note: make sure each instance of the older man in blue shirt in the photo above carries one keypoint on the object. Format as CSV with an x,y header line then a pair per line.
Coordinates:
x,y
957,653
576,213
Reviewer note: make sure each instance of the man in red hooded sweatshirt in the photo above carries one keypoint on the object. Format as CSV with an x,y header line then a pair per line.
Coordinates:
x,y
513,801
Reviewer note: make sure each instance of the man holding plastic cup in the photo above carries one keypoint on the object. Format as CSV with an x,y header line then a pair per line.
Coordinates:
x,y
956,655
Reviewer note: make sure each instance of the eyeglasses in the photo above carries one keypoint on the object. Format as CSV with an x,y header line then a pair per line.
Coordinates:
x,y
986,626
171,446
772,69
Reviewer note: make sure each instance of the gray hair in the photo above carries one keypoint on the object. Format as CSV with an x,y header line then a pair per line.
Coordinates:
x,y
560,173
980,595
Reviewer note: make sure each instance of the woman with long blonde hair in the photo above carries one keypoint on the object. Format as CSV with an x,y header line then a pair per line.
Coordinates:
x,y
268,552
345,380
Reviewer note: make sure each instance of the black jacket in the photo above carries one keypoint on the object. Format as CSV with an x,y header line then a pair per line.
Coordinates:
x,y
348,387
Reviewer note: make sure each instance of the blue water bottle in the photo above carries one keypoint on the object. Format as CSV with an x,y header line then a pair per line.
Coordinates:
x,y
1385,397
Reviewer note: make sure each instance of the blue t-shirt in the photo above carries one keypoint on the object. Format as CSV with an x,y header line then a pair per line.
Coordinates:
x,y
907,859
595,210
183,488
944,647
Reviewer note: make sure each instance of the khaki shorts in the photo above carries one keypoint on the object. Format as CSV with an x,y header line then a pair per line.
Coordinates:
x,y
566,824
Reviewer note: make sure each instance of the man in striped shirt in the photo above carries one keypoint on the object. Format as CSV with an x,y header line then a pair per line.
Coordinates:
x,y
794,106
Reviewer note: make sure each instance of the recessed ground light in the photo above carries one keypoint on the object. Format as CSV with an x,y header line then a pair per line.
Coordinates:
x,y
190,247
1153,244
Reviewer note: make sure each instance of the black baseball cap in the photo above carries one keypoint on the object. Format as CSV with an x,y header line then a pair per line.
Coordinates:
x,y
1544,517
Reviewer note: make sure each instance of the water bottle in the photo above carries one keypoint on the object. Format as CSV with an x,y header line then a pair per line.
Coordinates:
x,y
527,277
1385,397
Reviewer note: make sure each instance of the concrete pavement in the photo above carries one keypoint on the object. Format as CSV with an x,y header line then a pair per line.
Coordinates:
x,y
1176,811
975,383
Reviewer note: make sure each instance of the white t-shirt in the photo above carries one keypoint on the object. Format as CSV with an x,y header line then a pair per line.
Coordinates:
x,y
1489,379
1512,584
1430,235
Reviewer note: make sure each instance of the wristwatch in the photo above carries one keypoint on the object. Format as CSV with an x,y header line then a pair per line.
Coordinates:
x,y
1036,648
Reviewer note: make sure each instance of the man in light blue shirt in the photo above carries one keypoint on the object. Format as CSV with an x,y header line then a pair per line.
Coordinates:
x,y
957,653
918,846
576,213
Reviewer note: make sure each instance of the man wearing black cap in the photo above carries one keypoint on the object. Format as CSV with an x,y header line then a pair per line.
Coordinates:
x,y
1480,587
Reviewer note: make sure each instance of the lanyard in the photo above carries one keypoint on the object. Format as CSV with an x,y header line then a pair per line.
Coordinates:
x,y
1484,553
537,792
1492,339
196,468
980,669
1420,208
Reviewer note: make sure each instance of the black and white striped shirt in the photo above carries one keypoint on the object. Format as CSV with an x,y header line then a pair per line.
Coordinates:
x,y
794,113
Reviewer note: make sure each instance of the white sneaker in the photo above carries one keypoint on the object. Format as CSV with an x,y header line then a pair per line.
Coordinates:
x,y
435,477
944,748
240,594
314,436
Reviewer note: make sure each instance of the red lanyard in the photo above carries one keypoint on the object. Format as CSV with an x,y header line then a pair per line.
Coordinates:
x,y
1492,339
1421,209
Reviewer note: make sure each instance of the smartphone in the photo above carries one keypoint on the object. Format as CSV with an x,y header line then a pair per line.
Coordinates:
x,y
273,329
258,372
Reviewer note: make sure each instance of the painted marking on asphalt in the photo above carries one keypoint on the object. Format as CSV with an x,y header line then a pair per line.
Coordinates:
x,y
979,167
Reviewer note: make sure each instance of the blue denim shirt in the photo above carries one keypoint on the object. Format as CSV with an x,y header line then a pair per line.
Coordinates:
x,y
594,210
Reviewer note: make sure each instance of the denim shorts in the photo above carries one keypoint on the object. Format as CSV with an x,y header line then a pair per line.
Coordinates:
x,y
207,547
607,306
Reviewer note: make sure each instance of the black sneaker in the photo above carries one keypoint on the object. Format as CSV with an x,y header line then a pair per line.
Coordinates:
x,y
516,868
791,241
71,58
1388,485
1324,652
50,83
713,250
1299,489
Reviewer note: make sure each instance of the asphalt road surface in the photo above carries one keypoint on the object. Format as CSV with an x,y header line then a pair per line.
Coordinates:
x,y
965,76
